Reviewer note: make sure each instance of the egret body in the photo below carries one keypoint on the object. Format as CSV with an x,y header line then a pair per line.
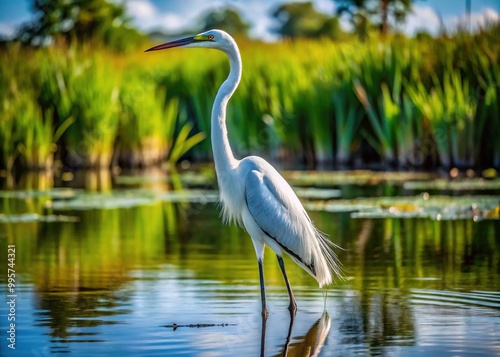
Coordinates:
x,y
253,194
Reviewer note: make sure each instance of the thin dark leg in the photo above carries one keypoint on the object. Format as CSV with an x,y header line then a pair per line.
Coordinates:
x,y
289,335
293,304
262,289
263,336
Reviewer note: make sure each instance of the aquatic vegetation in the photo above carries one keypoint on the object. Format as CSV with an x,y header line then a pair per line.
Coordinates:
x,y
130,198
53,193
33,217
94,96
355,177
451,113
470,184
146,124
418,103
422,206
348,117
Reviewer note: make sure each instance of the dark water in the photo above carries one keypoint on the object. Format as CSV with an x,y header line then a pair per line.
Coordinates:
x,y
110,282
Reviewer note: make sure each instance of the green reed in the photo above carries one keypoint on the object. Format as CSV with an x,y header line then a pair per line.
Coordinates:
x,y
8,140
450,109
27,131
318,101
347,121
94,94
146,124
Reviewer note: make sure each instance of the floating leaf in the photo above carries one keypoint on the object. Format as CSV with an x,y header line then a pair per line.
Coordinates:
x,y
55,193
356,177
104,201
34,217
203,196
317,193
454,185
132,198
428,206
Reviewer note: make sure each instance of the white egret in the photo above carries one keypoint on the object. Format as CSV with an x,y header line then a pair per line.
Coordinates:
x,y
254,194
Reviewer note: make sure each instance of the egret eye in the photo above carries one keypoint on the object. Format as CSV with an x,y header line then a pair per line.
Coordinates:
x,y
210,37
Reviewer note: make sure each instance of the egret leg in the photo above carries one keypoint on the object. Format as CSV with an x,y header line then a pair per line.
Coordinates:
x,y
263,336
289,335
293,304
262,289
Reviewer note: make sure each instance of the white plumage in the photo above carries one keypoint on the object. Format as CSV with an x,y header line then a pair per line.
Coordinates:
x,y
253,194
284,224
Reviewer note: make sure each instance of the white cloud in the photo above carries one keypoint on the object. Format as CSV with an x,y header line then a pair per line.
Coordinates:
x,y
423,17
141,9
258,14
7,30
477,19
325,6
147,17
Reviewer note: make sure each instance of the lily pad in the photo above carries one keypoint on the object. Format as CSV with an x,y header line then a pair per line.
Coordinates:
x,y
204,196
132,198
106,200
193,178
356,177
55,193
423,206
454,185
188,178
317,193
134,180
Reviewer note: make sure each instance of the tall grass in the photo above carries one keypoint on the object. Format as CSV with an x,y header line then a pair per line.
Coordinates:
x,y
451,109
95,98
91,111
313,101
8,140
147,125
347,121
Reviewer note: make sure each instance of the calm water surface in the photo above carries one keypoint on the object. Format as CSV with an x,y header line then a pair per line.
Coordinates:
x,y
114,278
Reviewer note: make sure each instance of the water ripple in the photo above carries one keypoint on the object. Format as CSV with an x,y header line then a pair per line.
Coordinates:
x,y
456,298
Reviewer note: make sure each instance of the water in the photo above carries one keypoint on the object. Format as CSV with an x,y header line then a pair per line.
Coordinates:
x,y
115,281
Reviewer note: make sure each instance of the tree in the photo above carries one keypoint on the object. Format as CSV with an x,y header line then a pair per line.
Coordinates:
x,y
79,20
300,19
226,19
398,9
359,15
379,12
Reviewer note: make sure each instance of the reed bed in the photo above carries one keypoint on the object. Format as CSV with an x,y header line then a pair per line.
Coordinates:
x,y
409,103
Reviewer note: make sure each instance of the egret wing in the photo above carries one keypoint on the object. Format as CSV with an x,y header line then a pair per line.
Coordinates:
x,y
276,216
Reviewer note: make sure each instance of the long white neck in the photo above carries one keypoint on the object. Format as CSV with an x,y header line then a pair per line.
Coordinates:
x,y
223,156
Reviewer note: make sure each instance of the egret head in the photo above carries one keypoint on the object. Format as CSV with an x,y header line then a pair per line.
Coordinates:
x,y
209,39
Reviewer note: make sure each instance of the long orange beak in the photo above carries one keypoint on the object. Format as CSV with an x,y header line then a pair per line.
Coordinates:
x,y
176,43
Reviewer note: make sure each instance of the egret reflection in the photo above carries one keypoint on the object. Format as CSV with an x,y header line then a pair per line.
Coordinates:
x,y
308,345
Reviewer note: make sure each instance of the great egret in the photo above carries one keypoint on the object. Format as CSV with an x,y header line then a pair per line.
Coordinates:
x,y
254,194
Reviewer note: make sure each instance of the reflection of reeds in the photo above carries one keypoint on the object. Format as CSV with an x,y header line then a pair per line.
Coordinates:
x,y
387,259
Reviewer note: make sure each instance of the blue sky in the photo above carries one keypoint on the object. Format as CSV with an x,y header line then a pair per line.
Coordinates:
x,y
178,15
